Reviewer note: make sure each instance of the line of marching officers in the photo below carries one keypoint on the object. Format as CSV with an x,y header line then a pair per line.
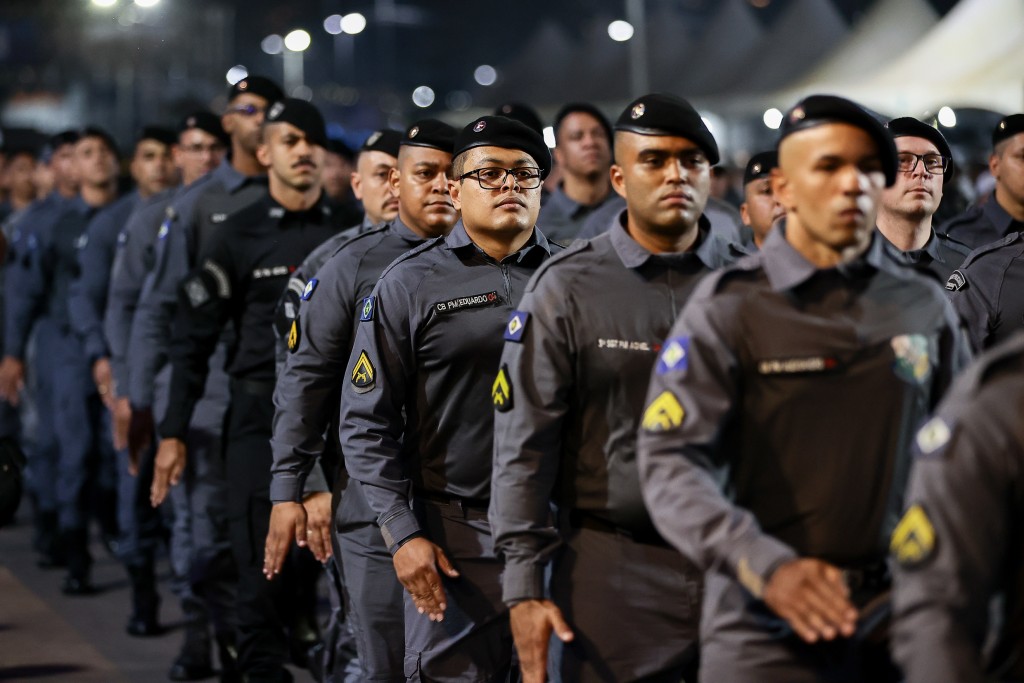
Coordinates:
x,y
665,453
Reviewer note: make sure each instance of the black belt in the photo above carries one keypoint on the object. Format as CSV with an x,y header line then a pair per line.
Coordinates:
x,y
581,519
455,501
253,387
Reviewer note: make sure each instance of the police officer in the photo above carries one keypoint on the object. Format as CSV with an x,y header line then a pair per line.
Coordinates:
x,y
569,397
775,441
1002,212
584,194
759,210
959,542
371,181
416,429
243,268
905,214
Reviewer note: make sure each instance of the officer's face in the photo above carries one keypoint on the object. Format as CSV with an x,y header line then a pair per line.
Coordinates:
x,y
830,181
196,154
18,176
291,159
371,185
95,163
62,163
152,167
583,147
664,179
1007,167
244,128
508,209
759,209
915,195
337,176
42,178
421,182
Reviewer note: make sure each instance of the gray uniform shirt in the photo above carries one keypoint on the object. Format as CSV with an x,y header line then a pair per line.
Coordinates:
x,y
416,412
987,291
563,219
939,257
780,414
578,356
981,225
961,540
308,390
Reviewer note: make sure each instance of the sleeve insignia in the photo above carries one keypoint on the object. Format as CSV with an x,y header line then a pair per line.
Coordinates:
x,y
675,356
957,281
932,436
516,327
913,542
501,391
307,291
196,292
367,308
294,336
912,362
364,375
664,413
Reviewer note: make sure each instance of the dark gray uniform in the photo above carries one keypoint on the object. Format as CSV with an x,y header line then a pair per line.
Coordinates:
x,y
987,291
724,220
577,359
563,219
981,225
306,399
961,541
417,430
939,257
782,430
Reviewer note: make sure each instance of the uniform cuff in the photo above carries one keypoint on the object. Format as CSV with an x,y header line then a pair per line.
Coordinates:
x,y
522,582
316,481
286,488
755,562
399,527
95,348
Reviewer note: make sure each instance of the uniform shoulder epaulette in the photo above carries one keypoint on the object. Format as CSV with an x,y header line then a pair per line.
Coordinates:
x,y
968,216
990,247
740,270
574,249
415,251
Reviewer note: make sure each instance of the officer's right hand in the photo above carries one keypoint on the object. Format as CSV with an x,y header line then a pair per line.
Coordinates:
x,y
287,524
121,422
813,598
12,379
416,565
103,377
532,624
167,468
140,432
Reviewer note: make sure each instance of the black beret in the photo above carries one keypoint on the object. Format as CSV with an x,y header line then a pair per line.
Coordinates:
x,y
430,133
206,121
501,131
256,85
302,115
97,132
582,108
661,114
339,147
760,166
67,137
386,141
818,110
908,126
1007,128
162,135
523,113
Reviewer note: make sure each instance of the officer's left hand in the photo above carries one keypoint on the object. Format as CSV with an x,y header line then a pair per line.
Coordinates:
x,y
416,564
532,623
122,418
287,523
167,468
318,524
103,376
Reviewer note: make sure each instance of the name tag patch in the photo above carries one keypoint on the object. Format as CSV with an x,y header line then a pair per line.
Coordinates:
x,y
274,271
624,345
472,301
516,327
797,366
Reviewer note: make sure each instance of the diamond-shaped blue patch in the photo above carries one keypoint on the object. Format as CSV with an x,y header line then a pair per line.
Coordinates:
x,y
675,355
366,309
307,292
516,326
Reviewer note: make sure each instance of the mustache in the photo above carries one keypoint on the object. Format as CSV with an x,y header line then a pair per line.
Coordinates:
x,y
304,162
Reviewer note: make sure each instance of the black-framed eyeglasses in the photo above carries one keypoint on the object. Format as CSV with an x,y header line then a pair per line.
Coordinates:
x,y
246,109
935,164
492,177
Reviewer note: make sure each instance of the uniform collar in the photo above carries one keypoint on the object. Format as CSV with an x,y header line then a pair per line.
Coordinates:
x,y
928,253
786,268
562,204
633,255
997,215
398,227
458,239
318,213
231,179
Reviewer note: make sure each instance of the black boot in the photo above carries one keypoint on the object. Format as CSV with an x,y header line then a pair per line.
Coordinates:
x,y
47,542
106,515
145,601
76,544
228,653
193,662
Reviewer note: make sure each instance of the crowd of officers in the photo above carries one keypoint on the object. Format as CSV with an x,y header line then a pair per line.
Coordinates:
x,y
537,418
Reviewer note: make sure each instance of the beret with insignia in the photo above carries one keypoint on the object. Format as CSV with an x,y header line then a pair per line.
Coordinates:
x,y
301,114
908,126
820,110
661,114
430,133
256,85
386,141
1007,128
501,131
205,121
760,166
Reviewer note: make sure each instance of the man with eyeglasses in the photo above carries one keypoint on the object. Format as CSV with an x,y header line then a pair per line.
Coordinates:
x,y
775,446
577,360
925,165
416,426
1003,212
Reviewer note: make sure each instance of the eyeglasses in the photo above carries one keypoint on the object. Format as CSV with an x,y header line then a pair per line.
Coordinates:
x,y
493,178
933,163
246,109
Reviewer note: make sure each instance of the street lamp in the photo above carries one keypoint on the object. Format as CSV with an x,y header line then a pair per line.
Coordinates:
x,y
353,23
104,3
295,44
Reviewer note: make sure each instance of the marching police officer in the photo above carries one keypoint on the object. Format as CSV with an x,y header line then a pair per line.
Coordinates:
x,y
959,542
573,378
1003,211
309,387
416,428
774,445
759,210
371,181
905,214
242,270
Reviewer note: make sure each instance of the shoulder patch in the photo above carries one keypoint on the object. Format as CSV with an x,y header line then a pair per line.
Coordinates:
x,y
364,375
516,327
664,413
675,356
307,291
501,391
367,309
913,541
957,281
913,360
196,292
294,336
932,437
